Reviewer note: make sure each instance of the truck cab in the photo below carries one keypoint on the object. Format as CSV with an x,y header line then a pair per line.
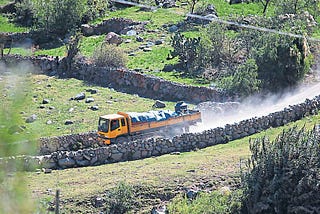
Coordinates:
x,y
112,126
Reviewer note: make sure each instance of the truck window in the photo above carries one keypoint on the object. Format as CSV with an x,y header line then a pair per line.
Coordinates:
x,y
114,124
122,122
103,125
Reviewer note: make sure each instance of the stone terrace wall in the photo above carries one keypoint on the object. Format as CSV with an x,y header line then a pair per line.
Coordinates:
x,y
72,142
146,86
117,25
124,80
185,142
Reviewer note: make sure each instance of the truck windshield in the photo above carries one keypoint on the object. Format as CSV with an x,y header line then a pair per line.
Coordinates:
x,y
103,125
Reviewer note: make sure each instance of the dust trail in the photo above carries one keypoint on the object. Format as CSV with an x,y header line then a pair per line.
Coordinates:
x,y
220,114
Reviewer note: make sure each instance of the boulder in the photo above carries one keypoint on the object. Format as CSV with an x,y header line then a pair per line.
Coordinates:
x,y
139,39
159,104
92,91
94,108
173,28
80,96
116,156
87,30
89,100
158,42
31,119
113,39
159,210
191,194
45,101
68,122
131,33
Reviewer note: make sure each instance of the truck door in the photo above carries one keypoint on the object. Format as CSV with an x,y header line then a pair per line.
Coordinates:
x,y
115,129
118,127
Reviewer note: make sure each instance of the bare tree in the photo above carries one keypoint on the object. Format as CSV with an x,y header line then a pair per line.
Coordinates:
x,y
192,5
265,4
73,48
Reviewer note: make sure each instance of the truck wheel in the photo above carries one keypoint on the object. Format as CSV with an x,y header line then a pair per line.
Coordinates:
x,y
120,140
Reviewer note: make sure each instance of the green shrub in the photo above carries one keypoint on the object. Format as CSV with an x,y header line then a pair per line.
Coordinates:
x,y
24,15
107,55
217,45
95,9
282,60
214,202
120,199
188,51
284,176
244,81
58,16
297,6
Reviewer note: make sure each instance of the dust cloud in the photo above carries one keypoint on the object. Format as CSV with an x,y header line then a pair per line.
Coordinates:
x,y
219,114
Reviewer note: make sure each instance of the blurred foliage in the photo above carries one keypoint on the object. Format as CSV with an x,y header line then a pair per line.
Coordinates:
x,y
14,139
283,176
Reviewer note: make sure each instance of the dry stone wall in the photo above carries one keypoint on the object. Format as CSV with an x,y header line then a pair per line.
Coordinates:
x,y
124,80
72,142
159,146
117,25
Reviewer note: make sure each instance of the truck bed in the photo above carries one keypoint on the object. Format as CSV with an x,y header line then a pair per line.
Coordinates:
x,y
183,120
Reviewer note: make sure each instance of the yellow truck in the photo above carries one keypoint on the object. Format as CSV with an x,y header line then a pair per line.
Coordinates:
x,y
122,127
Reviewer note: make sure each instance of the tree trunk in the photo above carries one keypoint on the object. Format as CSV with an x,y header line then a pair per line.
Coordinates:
x,y
265,7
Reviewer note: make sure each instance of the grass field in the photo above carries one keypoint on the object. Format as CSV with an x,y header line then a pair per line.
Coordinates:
x,y
60,108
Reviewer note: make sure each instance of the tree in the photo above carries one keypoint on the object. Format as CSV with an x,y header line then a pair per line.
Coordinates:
x,y
265,4
192,5
24,13
217,44
73,47
58,16
282,60
95,9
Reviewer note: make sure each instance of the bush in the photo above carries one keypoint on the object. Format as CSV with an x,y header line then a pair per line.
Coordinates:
x,y
284,176
24,15
58,16
106,55
282,60
214,202
120,199
95,9
244,81
297,6
188,51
